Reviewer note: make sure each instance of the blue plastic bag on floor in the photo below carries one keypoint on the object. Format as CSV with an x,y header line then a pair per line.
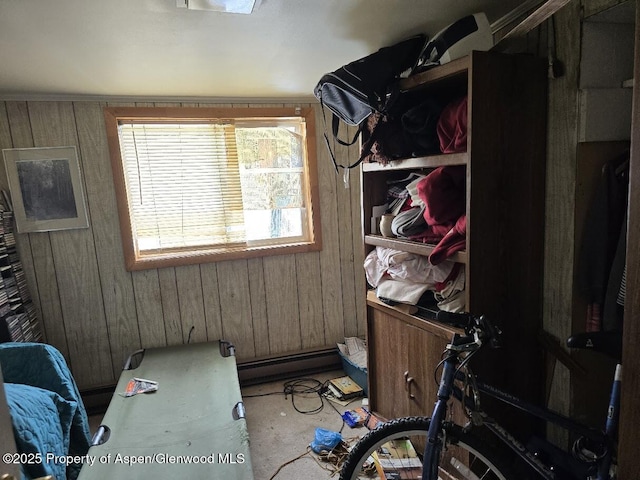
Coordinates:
x,y
325,440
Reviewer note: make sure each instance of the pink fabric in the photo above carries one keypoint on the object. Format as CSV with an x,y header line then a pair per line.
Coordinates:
x,y
452,127
454,241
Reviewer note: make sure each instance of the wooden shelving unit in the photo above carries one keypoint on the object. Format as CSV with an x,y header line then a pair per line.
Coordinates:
x,y
18,317
505,174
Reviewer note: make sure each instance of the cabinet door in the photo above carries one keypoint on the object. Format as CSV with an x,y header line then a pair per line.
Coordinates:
x,y
424,351
387,364
402,361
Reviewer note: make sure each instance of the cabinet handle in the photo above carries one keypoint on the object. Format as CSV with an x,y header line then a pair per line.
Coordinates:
x,y
408,381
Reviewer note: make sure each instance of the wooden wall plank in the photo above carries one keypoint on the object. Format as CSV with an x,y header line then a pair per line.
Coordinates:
x,y
213,315
43,282
360,282
562,131
281,289
191,303
74,253
332,306
345,227
148,303
258,298
176,335
50,306
351,246
117,285
235,306
309,300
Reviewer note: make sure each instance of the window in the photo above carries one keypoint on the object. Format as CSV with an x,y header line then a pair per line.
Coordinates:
x,y
196,185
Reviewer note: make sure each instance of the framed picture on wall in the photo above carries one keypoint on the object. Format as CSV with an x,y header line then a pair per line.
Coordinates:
x,y
46,188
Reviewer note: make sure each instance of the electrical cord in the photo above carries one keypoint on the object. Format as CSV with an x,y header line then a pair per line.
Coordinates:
x,y
306,388
193,327
310,388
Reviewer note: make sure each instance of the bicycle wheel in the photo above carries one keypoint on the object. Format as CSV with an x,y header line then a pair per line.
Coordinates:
x,y
394,451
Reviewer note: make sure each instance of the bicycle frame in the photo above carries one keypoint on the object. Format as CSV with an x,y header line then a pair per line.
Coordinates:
x,y
447,388
548,416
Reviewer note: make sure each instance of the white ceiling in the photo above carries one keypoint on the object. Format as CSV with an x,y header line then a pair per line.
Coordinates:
x,y
152,48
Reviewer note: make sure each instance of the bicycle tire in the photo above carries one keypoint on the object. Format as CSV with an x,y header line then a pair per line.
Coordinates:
x,y
471,454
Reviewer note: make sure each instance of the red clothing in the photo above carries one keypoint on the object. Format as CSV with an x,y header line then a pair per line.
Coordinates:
x,y
443,193
454,241
452,127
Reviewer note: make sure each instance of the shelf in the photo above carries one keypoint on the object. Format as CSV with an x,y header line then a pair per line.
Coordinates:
x,y
432,161
18,319
442,72
409,246
432,326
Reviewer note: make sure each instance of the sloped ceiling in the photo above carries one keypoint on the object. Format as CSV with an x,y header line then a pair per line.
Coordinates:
x,y
152,48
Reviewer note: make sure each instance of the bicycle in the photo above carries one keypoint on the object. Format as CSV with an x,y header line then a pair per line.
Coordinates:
x,y
455,452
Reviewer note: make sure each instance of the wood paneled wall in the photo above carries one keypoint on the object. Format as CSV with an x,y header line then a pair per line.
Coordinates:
x,y
628,466
96,313
562,139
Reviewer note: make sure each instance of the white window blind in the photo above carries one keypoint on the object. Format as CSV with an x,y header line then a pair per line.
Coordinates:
x,y
205,184
197,185
183,184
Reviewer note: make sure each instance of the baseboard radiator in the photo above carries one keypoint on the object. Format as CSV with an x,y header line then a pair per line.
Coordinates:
x,y
289,366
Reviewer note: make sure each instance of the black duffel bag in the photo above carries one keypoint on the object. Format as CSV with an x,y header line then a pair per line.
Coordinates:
x,y
365,86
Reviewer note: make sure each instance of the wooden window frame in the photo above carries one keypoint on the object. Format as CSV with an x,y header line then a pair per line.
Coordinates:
x,y
134,261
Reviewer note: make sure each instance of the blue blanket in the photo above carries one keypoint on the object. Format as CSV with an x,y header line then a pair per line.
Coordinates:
x,y
52,389
41,423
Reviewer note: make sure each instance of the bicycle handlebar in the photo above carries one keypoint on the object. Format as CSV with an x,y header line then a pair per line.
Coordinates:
x,y
469,322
